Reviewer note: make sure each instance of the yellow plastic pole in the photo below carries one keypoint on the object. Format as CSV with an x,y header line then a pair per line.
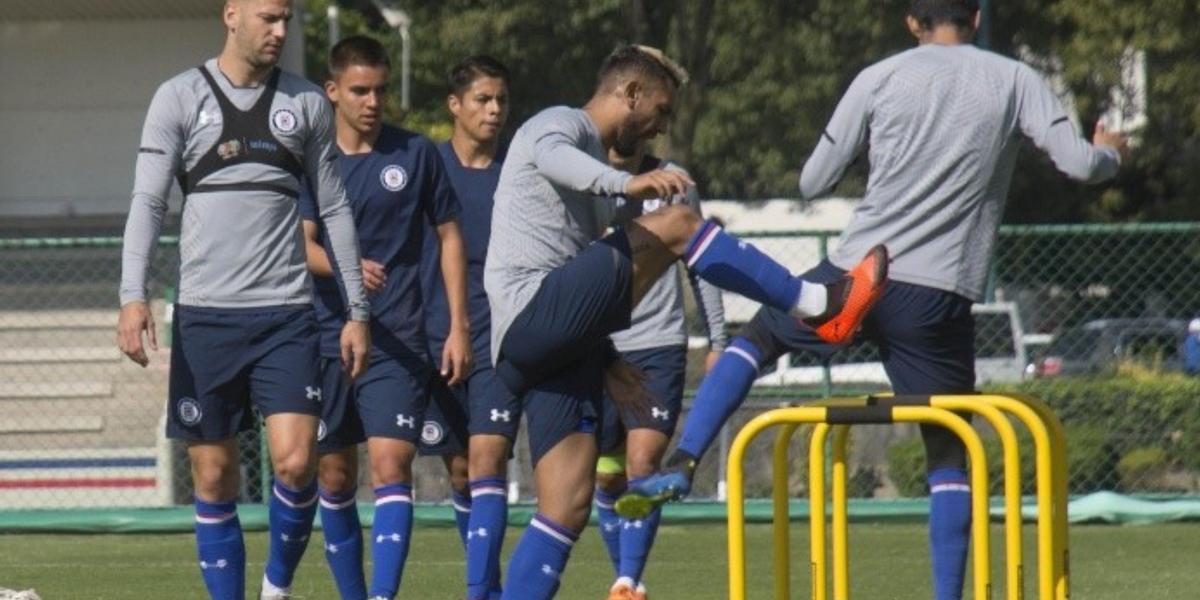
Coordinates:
x,y
781,523
841,521
1014,567
736,510
1049,550
980,545
1062,556
816,511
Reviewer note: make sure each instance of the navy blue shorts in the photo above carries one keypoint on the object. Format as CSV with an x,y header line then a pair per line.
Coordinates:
x,y
574,309
340,425
665,369
926,336
566,403
480,405
387,401
226,362
926,340
554,353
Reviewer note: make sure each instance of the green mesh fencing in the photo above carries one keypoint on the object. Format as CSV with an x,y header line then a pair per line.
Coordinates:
x,y
1088,318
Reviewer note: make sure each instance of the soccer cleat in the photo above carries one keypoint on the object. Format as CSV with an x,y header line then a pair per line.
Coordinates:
x,y
621,591
655,490
640,593
852,298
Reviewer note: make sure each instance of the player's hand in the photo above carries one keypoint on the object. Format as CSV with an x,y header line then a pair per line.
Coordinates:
x,y
134,319
626,385
710,360
456,356
658,184
1113,139
356,348
374,275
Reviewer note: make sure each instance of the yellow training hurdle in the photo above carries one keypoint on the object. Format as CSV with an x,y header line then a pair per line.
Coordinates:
x,y
837,415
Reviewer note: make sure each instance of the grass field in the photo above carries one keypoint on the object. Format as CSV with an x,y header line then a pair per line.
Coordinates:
x,y
887,562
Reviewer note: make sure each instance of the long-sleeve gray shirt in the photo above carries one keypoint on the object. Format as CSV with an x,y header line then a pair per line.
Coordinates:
x,y
658,320
943,125
241,248
546,208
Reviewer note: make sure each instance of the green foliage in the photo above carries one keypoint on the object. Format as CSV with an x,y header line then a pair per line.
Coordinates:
x,y
766,77
1139,467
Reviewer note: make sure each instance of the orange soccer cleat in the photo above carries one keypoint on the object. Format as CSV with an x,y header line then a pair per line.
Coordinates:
x,y
622,592
852,298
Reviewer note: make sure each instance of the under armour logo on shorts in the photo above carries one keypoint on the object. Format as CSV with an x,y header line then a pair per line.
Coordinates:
x,y
312,393
501,415
403,421
660,413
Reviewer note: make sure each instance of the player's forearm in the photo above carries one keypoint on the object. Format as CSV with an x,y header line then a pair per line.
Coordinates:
x,y
824,169
454,274
317,259
343,246
712,310
564,164
141,236
1078,159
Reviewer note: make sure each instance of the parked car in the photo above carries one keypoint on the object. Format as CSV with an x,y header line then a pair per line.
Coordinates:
x,y
1101,346
999,355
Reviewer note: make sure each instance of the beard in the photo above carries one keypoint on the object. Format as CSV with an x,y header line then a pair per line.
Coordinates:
x,y
627,140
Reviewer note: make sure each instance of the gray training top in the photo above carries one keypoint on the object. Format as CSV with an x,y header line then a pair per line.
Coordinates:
x,y
546,210
238,248
658,320
943,125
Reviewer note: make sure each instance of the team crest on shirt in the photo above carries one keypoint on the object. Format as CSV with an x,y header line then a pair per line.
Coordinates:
x,y
393,178
189,411
284,120
432,433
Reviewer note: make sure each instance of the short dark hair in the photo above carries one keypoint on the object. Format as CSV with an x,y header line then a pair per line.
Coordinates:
x,y
932,13
639,60
462,75
357,50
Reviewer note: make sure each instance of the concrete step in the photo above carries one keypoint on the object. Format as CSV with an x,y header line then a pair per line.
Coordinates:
x,y
58,319
70,389
52,424
34,356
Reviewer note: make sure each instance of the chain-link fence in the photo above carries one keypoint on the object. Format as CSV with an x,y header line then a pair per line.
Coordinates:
x,y
1089,318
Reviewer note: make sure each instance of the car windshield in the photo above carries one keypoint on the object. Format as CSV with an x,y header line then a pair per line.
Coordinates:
x,y
1074,343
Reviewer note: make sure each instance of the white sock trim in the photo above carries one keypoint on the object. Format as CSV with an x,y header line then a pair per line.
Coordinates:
x,y
744,356
949,487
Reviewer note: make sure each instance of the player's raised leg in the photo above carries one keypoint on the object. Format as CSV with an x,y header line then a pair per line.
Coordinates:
x,y
835,310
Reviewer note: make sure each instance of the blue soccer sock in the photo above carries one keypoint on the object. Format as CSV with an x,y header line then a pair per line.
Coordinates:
x,y
949,530
343,543
610,526
485,536
462,513
391,532
221,549
290,513
731,264
720,393
537,564
637,536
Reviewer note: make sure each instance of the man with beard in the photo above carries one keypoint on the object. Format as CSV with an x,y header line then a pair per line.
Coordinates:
x,y
557,289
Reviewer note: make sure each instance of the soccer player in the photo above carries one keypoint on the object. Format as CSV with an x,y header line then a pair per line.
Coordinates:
x,y
556,291
943,122
473,425
239,134
656,343
398,190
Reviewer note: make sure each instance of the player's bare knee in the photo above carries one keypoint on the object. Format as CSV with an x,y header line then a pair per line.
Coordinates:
x,y
390,470
336,478
488,460
638,465
295,469
456,468
215,481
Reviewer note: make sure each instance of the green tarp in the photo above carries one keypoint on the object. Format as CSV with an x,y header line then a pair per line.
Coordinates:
x,y
1101,507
